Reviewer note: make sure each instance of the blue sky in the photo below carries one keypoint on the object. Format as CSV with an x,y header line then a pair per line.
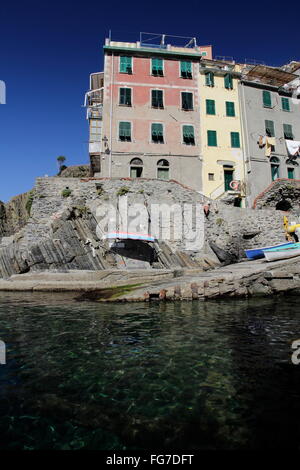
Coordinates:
x,y
48,50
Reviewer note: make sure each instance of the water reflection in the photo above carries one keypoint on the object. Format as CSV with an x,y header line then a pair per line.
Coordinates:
x,y
199,375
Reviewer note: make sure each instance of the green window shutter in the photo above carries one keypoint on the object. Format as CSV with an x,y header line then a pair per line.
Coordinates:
x,y
274,172
125,131
210,107
270,132
291,173
157,99
209,79
125,64
125,96
186,69
228,81
163,173
187,100
267,102
157,129
230,111
212,138
235,139
228,177
188,135
285,104
288,132
122,95
157,66
157,132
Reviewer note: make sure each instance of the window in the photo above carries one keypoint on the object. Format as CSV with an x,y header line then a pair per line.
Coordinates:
x,y
210,107
125,131
188,135
187,101
209,79
267,102
163,170
288,132
228,81
235,139
285,104
136,168
291,173
125,64
274,168
211,177
230,111
157,99
185,69
269,125
157,133
125,96
157,67
95,130
212,138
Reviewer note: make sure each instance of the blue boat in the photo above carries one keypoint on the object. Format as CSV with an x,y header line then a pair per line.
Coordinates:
x,y
257,253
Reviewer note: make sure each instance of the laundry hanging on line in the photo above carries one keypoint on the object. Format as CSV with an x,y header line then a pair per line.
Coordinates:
x,y
270,143
293,147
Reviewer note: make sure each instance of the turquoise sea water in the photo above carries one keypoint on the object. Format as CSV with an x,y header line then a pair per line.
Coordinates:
x,y
189,375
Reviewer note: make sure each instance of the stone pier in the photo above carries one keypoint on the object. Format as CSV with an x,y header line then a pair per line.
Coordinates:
x,y
244,279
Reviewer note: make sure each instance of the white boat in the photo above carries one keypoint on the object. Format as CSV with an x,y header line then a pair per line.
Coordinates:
x,y
284,253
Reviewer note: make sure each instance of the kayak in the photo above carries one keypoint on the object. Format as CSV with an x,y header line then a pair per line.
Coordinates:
x,y
282,253
257,253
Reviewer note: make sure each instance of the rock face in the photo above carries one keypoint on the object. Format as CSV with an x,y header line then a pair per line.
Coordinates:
x,y
76,171
67,223
14,214
282,194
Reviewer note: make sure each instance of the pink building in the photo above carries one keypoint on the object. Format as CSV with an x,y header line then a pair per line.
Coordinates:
x,y
144,113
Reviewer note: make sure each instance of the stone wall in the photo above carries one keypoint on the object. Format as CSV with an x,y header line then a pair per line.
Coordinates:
x,y
234,229
61,233
282,194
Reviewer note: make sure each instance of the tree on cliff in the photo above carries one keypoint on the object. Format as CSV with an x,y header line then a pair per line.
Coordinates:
x,y
60,160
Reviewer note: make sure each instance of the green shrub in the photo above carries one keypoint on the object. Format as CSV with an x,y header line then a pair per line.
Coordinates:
x,y
29,201
123,190
66,192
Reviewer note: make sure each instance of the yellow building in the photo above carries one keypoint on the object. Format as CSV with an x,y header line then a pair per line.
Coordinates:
x,y
221,130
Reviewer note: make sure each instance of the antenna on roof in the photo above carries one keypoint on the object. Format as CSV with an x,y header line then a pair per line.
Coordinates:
x,y
192,40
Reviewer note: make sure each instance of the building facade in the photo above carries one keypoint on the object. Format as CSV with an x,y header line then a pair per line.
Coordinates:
x,y
150,113
271,122
222,128
221,140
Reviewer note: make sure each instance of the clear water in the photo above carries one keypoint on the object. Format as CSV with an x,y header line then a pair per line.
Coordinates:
x,y
213,375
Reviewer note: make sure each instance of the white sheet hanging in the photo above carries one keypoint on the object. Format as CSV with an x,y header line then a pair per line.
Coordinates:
x,y
293,147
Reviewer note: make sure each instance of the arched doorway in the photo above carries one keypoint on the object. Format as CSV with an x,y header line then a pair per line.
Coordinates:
x,y
163,170
136,168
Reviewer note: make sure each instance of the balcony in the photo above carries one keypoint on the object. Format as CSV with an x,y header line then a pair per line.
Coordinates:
x,y
95,111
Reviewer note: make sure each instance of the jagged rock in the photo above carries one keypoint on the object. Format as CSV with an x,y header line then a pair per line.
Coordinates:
x,y
224,256
61,232
13,215
76,171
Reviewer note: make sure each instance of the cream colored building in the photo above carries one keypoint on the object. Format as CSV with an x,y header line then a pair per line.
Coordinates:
x,y
223,170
